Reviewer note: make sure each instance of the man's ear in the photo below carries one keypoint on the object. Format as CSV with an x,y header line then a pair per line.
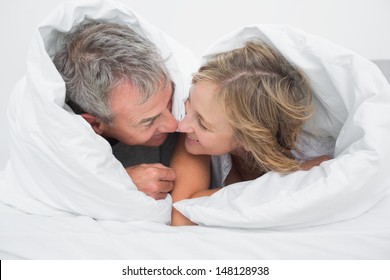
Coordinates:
x,y
95,123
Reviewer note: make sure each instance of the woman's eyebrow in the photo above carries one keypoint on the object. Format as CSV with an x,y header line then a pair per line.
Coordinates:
x,y
203,121
199,116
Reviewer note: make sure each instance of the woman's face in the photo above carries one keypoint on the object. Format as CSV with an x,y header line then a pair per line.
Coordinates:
x,y
206,125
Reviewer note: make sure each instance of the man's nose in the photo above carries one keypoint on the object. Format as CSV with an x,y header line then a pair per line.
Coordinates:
x,y
169,123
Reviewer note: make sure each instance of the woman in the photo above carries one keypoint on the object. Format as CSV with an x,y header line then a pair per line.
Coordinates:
x,y
246,109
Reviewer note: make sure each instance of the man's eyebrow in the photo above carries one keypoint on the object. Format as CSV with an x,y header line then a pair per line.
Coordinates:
x,y
146,120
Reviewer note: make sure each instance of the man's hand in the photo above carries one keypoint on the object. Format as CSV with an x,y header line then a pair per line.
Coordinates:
x,y
155,180
309,164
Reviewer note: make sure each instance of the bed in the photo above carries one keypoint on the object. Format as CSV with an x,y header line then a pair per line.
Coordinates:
x,y
62,197
25,236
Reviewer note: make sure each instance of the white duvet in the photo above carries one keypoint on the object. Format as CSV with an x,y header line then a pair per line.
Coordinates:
x,y
24,236
64,196
352,111
58,165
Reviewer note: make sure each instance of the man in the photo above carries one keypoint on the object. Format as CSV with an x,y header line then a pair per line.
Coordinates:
x,y
117,81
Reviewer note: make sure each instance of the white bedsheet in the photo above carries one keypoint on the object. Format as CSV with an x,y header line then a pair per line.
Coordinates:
x,y
24,236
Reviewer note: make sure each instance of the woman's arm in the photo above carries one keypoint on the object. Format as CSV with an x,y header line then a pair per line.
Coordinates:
x,y
234,176
192,176
205,192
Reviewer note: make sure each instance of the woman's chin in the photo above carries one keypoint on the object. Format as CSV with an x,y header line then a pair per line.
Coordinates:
x,y
193,148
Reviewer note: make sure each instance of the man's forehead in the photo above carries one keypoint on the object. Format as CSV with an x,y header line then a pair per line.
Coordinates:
x,y
154,106
125,90
163,87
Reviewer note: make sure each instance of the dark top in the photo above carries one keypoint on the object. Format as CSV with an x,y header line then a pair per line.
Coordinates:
x,y
133,155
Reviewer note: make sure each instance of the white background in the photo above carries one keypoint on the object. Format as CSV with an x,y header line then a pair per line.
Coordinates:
x,y
278,269
360,25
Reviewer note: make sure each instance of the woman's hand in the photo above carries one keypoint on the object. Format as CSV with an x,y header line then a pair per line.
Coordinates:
x,y
309,164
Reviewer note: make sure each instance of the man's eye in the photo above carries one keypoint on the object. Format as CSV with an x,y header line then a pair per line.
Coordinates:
x,y
169,106
149,124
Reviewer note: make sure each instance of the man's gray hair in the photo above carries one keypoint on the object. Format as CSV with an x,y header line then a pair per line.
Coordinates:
x,y
96,56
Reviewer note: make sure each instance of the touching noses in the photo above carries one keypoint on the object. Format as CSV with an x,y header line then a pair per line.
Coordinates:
x,y
169,124
184,125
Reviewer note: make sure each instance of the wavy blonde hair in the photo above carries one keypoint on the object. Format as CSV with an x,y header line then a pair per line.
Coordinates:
x,y
266,100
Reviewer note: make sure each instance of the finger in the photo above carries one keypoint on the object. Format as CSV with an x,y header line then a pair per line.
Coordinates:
x,y
322,159
165,186
157,165
167,174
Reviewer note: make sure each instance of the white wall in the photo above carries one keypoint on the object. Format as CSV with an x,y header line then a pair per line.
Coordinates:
x,y
360,25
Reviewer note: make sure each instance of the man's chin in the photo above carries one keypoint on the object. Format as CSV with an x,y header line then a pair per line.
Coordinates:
x,y
157,140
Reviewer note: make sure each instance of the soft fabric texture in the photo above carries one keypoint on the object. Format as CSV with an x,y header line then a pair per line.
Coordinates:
x,y
307,148
26,236
58,165
352,105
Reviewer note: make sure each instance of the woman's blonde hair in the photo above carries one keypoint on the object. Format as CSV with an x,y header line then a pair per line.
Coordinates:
x,y
266,100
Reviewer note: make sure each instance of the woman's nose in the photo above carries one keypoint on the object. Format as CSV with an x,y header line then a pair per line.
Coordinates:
x,y
184,125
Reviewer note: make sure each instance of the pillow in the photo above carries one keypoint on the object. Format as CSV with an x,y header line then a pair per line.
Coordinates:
x,y
58,165
352,105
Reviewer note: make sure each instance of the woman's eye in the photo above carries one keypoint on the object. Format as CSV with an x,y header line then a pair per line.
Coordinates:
x,y
200,124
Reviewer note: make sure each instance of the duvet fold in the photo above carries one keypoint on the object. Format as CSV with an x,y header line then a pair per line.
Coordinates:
x,y
58,165
351,113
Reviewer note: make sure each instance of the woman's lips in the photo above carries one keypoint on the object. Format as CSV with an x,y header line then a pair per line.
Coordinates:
x,y
192,140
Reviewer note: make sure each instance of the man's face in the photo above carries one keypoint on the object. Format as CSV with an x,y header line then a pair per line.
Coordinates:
x,y
145,124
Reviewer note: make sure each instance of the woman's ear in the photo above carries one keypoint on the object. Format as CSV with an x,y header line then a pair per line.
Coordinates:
x,y
95,123
240,147
244,146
